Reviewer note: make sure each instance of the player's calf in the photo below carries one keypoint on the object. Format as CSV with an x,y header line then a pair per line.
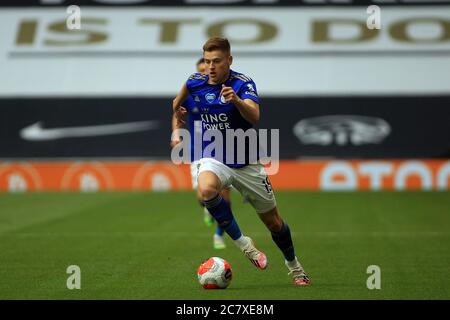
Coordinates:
x,y
221,211
283,240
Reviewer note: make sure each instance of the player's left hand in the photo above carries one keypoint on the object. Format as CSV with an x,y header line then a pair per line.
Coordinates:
x,y
228,94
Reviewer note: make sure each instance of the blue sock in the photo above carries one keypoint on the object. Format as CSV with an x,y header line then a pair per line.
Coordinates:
x,y
221,211
220,231
283,240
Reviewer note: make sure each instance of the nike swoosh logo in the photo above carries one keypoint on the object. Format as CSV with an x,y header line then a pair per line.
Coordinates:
x,y
36,131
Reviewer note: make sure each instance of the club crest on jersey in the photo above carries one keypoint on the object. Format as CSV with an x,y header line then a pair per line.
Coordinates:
x,y
210,97
222,100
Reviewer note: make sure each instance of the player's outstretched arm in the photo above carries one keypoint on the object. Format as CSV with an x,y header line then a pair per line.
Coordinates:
x,y
179,114
248,108
181,96
176,125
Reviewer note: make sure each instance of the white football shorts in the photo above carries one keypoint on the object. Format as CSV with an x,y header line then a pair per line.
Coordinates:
x,y
194,174
251,181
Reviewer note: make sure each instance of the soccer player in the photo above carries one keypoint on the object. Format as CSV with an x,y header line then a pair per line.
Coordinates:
x,y
229,100
189,105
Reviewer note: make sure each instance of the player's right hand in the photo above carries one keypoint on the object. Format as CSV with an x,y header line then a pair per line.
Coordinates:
x,y
173,143
180,113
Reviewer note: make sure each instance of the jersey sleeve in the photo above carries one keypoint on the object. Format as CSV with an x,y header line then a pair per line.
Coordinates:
x,y
188,103
194,81
248,91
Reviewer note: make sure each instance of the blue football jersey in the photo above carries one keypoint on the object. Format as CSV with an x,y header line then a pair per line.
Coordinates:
x,y
215,114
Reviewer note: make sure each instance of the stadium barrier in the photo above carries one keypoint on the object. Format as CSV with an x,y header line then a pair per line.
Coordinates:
x,y
351,175
368,127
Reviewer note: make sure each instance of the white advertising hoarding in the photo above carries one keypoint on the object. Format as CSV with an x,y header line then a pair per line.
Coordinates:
x,y
288,52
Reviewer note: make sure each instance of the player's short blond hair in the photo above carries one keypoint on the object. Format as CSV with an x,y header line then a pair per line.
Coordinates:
x,y
217,43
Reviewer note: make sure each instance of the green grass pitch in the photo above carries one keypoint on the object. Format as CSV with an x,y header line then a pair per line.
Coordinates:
x,y
149,245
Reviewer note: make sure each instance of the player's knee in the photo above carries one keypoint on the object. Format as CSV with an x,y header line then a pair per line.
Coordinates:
x,y
208,192
199,196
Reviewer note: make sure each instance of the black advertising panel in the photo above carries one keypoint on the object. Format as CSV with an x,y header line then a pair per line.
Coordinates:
x,y
361,127
315,127
166,3
77,127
